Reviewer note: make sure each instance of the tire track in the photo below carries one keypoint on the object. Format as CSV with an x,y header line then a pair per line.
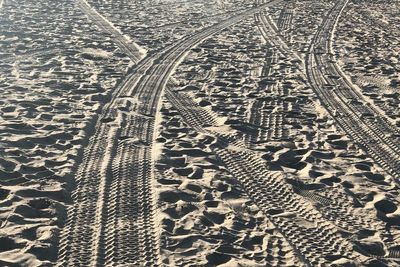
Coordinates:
x,y
131,49
111,221
317,241
272,36
267,125
270,125
76,242
344,102
324,75
185,21
342,211
337,210
285,19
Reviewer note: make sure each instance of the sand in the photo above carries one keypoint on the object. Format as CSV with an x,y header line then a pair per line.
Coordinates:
x,y
375,67
199,133
51,96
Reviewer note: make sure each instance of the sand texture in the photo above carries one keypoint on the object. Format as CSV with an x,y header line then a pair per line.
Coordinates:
x,y
199,133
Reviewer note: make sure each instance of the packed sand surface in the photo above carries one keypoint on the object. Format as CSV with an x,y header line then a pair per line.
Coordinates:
x,y
199,133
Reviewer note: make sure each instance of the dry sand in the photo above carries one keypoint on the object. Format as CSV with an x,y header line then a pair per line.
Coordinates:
x,y
199,133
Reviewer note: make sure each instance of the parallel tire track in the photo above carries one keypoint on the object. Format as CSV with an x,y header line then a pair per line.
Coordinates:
x,y
342,100
271,35
342,211
335,205
111,222
377,135
77,237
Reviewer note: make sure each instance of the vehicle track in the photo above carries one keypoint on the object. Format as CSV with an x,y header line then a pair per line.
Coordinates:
x,y
271,35
335,207
344,102
185,21
269,124
266,70
315,240
339,211
343,212
131,49
322,71
285,21
110,222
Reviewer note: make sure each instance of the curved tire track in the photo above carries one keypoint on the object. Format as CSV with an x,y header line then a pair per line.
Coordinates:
x,y
321,72
111,219
342,211
364,123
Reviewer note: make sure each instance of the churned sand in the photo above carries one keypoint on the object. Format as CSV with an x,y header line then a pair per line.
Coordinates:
x,y
199,133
